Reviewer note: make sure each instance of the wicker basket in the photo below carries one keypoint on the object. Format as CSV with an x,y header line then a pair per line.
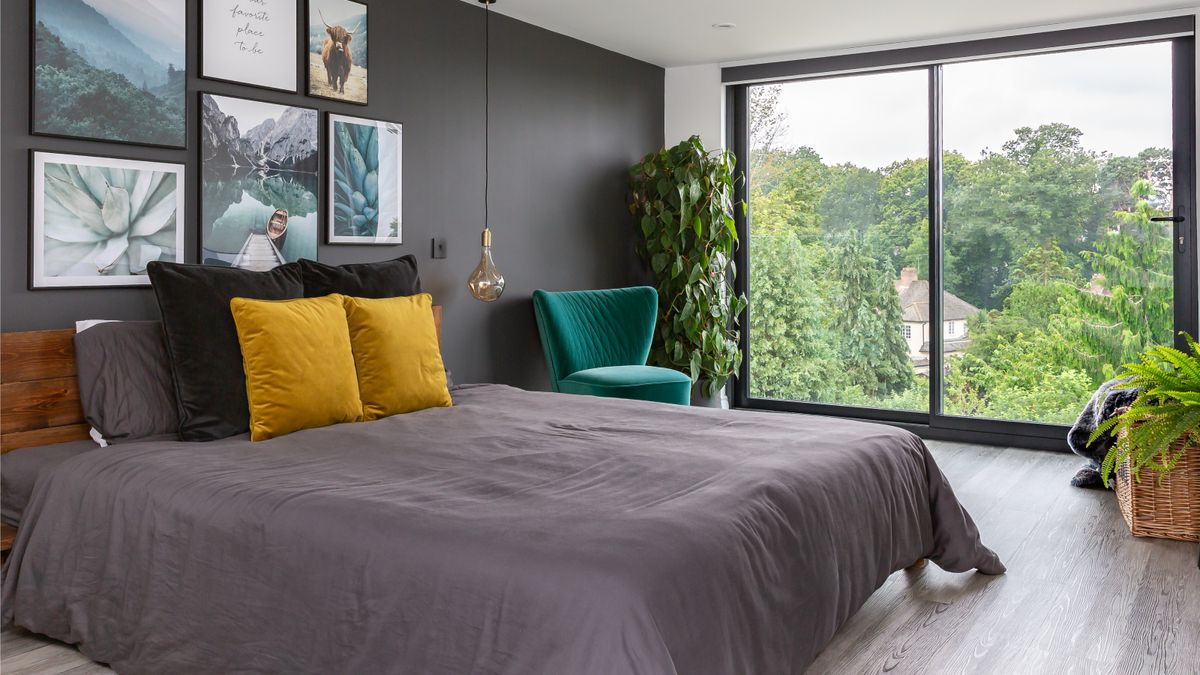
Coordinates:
x,y
1168,506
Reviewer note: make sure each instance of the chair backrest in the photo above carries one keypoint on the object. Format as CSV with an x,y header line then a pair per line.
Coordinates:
x,y
595,329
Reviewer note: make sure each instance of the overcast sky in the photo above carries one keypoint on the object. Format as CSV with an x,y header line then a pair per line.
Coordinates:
x,y
1119,97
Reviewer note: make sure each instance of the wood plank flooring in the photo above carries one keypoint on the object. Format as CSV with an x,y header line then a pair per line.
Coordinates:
x,y
1081,595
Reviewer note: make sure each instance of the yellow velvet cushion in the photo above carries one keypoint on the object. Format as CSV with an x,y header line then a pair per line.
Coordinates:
x,y
396,354
299,367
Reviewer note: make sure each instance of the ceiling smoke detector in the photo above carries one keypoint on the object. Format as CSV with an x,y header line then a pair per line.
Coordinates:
x,y
724,26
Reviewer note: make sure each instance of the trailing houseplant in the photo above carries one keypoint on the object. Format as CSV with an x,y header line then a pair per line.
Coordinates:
x,y
684,200
1164,420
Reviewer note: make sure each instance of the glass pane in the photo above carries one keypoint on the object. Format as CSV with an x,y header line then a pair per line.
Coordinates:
x,y
838,241
1054,274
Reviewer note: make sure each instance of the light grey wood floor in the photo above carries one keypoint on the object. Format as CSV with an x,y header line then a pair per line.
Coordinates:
x,y
1081,595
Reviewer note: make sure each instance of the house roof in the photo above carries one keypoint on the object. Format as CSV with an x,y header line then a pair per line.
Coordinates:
x,y
948,346
914,302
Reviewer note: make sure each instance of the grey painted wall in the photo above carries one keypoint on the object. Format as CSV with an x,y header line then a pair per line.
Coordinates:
x,y
568,118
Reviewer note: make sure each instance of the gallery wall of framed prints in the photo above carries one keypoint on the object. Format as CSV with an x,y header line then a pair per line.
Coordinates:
x,y
117,73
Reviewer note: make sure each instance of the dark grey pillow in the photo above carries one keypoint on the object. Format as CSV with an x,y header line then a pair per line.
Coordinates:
x,y
202,340
387,279
125,382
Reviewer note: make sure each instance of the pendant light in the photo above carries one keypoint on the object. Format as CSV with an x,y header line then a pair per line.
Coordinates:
x,y
486,283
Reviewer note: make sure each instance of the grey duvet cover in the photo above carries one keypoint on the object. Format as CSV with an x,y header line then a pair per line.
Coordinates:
x,y
516,532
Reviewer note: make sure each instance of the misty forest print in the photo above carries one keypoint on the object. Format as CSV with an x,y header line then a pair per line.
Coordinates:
x,y
111,70
259,184
364,181
337,50
99,221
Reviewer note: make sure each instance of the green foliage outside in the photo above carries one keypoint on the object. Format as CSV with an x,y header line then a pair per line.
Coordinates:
x,y
1051,241
76,99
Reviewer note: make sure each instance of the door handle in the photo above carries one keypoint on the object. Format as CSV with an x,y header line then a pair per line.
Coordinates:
x,y
1180,230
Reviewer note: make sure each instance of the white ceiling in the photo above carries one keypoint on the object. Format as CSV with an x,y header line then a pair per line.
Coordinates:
x,y
679,32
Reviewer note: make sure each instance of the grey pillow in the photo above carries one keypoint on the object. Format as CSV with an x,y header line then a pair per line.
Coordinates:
x,y
125,382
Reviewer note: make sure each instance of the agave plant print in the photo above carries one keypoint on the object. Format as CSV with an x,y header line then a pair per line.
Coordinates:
x,y
365,163
99,221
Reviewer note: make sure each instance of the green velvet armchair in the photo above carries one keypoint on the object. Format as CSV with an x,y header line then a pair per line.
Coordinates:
x,y
597,342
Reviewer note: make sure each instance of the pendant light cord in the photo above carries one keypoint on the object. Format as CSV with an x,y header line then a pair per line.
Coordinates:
x,y
487,106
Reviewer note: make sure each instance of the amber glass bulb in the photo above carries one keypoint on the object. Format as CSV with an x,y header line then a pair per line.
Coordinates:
x,y
486,283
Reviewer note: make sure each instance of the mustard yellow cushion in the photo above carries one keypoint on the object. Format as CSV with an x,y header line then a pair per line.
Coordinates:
x,y
396,354
299,367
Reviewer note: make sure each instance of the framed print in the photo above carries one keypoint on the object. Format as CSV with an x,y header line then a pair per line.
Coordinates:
x,y
110,70
249,42
337,50
99,221
365,171
258,182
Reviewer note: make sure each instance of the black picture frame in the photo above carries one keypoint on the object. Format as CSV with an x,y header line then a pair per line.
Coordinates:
x,y
308,80
327,181
317,193
180,224
213,78
33,93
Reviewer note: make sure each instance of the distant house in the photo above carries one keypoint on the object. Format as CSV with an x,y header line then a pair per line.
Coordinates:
x,y
914,303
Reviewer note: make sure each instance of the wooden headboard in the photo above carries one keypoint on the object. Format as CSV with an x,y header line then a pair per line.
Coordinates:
x,y
39,391
39,395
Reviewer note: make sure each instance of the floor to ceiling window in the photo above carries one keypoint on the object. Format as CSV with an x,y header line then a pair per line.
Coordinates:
x,y
1054,165
837,199
1042,185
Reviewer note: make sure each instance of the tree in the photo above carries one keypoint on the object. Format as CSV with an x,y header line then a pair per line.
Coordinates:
x,y
792,355
786,192
1040,190
767,120
1129,305
850,203
867,320
1016,383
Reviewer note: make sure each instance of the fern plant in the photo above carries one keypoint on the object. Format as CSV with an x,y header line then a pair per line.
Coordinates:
x,y
1165,412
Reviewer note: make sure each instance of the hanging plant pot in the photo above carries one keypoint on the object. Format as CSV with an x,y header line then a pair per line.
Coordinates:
x,y
702,399
1166,506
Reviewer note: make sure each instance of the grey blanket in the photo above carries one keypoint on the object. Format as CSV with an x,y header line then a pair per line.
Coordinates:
x,y
516,532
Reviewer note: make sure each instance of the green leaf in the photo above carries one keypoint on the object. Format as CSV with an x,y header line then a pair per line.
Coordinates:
x,y
647,226
659,262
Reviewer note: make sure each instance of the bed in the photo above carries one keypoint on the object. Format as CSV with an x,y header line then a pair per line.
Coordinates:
x,y
516,532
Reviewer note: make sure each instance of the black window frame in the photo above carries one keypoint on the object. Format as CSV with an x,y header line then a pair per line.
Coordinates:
x,y
1179,31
